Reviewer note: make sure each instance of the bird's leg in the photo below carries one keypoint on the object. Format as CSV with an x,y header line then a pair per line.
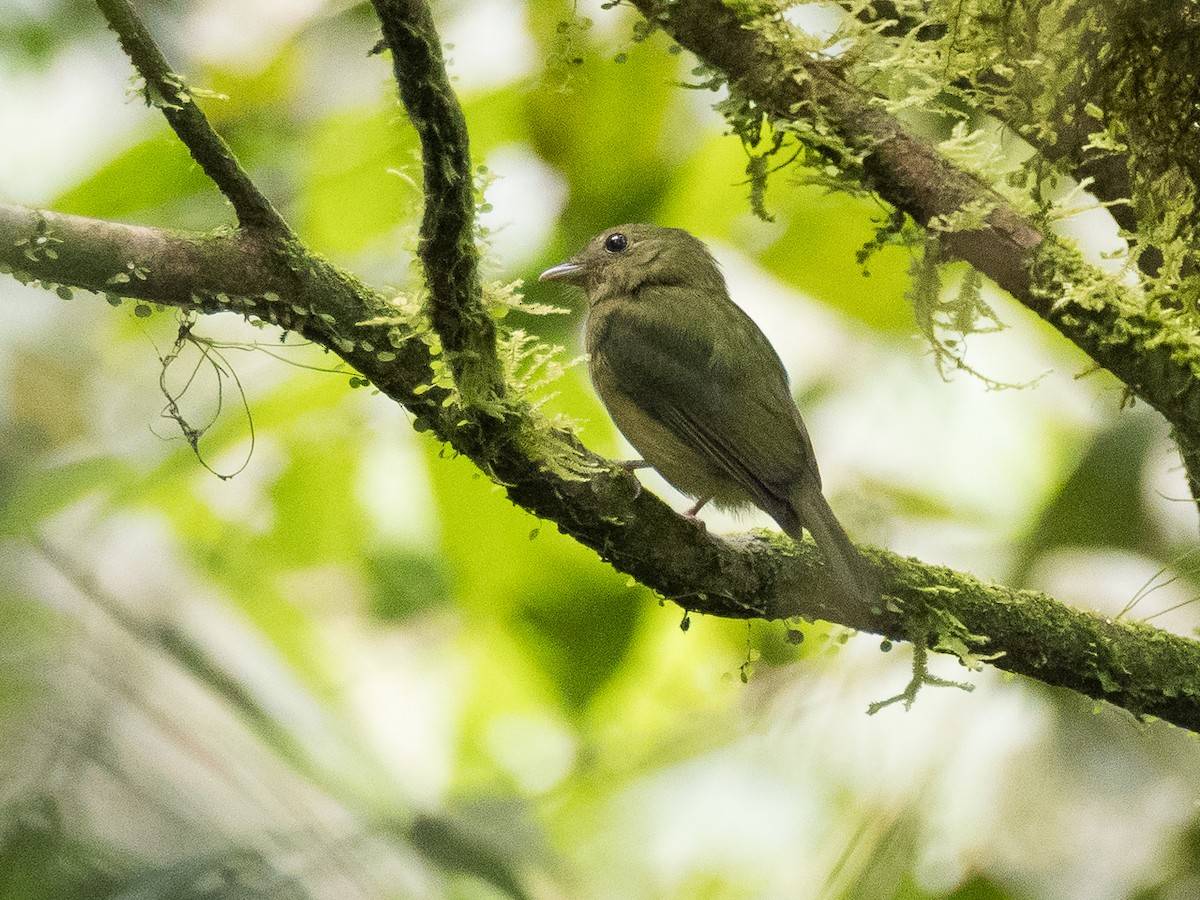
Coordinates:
x,y
696,507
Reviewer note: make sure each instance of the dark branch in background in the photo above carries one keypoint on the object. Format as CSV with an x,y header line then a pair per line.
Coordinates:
x,y
1146,671
439,838
447,249
167,90
1155,361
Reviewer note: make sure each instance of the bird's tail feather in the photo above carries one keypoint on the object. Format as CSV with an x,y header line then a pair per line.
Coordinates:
x,y
849,570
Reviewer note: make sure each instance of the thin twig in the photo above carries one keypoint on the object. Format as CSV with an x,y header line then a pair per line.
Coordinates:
x,y
167,90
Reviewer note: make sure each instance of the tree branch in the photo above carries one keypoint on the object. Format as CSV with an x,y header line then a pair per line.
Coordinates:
x,y
1152,353
1146,671
168,91
447,248
265,273
1108,172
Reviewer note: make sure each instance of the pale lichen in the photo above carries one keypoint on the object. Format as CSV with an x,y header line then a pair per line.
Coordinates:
x,y
1044,101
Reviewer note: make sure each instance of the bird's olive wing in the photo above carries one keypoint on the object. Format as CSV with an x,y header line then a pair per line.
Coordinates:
x,y
717,384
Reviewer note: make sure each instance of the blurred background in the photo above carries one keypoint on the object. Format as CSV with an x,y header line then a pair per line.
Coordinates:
x,y
355,670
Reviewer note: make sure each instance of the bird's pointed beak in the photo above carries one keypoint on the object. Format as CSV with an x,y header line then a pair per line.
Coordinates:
x,y
570,272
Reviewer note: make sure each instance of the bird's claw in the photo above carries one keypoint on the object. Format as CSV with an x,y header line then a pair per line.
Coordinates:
x,y
631,465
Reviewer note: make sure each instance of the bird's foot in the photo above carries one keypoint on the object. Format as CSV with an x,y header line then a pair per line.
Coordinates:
x,y
630,465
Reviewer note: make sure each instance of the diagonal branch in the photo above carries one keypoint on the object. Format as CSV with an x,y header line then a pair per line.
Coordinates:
x,y
1142,669
1107,173
1068,145
1152,353
168,91
447,248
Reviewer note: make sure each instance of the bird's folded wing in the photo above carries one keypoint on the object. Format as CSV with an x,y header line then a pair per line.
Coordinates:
x,y
717,390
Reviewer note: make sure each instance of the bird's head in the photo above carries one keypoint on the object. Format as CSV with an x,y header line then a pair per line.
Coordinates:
x,y
624,259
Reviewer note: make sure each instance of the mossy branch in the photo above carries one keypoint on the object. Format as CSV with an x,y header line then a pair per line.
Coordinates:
x,y
1067,146
270,276
447,249
1151,349
1147,671
168,91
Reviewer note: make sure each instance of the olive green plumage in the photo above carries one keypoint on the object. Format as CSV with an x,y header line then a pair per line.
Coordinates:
x,y
697,388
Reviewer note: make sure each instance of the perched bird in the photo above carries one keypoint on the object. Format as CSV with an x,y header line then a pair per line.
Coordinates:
x,y
698,389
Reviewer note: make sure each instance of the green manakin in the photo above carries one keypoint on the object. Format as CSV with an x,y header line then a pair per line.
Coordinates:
x,y
697,388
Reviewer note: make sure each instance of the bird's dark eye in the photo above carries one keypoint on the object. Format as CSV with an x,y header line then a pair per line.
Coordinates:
x,y
616,243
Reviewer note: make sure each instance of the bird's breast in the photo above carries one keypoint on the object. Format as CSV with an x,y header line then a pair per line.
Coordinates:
x,y
682,465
